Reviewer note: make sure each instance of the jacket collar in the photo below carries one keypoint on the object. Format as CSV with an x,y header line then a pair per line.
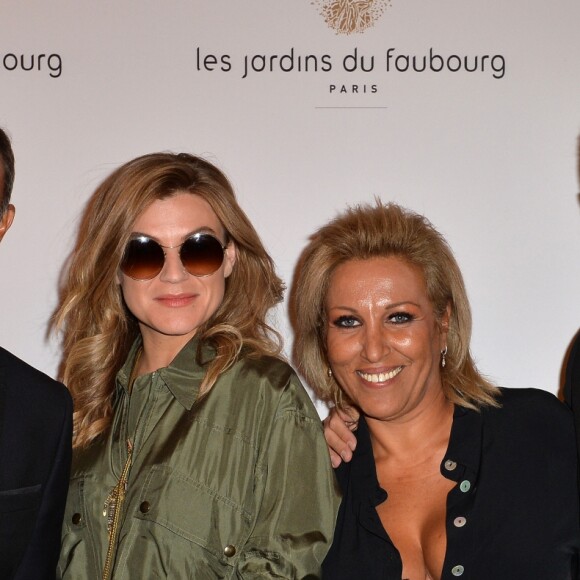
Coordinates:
x,y
182,377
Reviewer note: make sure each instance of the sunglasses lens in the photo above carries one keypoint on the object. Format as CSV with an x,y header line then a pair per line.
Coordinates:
x,y
202,255
143,259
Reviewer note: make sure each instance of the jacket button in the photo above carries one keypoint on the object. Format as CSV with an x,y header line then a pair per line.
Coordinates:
x,y
144,507
76,519
229,551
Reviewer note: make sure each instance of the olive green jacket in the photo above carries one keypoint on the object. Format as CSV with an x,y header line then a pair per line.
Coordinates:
x,y
237,484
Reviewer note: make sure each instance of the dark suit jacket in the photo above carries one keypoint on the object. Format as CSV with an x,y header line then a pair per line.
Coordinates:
x,y
572,386
35,456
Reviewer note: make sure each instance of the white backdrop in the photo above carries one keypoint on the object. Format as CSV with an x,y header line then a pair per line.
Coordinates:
x,y
490,156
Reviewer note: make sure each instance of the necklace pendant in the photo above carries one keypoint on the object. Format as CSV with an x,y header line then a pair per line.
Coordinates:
x,y
110,507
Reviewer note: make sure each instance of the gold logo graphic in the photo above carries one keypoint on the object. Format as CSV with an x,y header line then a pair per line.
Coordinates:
x,y
350,16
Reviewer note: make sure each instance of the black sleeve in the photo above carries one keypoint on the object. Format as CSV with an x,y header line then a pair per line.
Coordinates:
x,y
42,552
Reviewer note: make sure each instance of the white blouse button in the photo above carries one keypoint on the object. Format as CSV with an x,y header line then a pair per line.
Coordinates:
x,y
457,570
465,486
459,522
450,465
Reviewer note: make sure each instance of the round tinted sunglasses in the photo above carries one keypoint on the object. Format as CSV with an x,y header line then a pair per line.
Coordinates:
x,y
201,255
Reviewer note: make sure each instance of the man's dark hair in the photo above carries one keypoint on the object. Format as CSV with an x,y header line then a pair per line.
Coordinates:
x,y
7,158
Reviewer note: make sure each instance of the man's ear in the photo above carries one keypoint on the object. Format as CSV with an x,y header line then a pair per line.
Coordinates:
x,y
6,220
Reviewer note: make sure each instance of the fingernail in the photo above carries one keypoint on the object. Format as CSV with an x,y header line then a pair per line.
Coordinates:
x,y
346,455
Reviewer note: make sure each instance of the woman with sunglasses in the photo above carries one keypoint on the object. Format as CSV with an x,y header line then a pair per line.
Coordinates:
x,y
198,454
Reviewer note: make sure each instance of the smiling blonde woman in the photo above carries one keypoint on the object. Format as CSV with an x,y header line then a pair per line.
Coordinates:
x,y
450,476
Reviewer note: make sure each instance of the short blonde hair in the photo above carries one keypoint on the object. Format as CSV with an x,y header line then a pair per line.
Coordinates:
x,y
382,230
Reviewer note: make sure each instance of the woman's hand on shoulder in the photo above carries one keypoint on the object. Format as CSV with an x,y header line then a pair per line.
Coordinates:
x,y
338,428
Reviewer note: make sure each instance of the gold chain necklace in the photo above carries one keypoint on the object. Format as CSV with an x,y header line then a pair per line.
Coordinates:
x,y
116,497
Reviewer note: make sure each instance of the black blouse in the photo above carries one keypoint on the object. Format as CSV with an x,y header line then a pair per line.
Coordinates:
x,y
513,514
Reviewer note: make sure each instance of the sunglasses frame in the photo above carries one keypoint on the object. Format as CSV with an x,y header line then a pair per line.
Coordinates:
x,y
196,237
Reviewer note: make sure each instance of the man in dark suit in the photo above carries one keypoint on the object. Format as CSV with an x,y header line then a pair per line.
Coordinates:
x,y
35,446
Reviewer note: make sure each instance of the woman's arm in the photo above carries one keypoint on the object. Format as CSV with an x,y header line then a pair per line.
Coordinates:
x,y
295,522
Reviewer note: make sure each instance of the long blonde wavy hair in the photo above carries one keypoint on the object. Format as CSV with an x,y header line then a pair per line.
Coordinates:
x,y
96,327
382,230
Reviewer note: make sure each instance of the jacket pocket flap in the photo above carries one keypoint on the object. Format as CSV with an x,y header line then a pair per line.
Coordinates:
x,y
192,510
23,498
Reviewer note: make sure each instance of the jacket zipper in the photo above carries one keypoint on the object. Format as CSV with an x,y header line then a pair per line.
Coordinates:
x,y
112,511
